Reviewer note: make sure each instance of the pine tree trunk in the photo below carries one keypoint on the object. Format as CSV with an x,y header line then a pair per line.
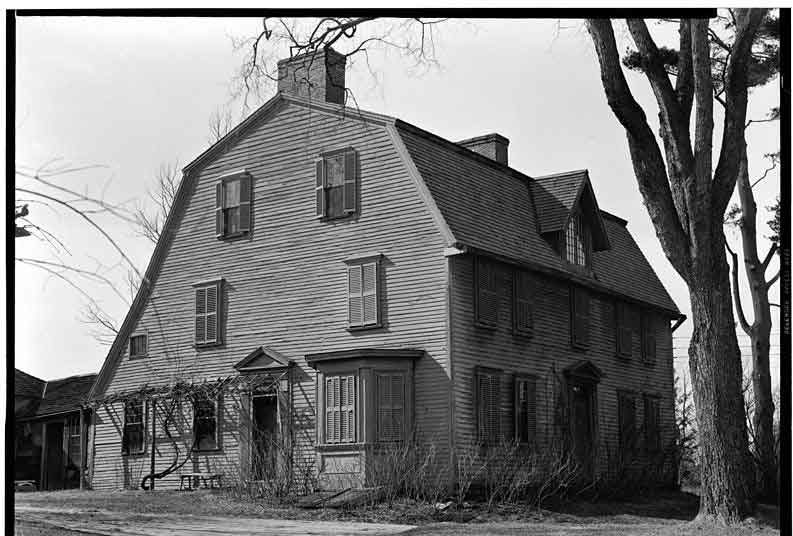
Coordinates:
x,y
716,373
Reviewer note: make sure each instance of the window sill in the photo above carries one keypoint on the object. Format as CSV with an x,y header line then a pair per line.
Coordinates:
x,y
340,447
233,236
525,333
624,357
132,454
345,216
200,346
207,451
482,325
364,328
135,357
582,347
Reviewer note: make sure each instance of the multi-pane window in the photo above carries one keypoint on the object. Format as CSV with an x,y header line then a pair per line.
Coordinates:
x,y
523,306
624,331
579,317
626,413
576,241
336,184
74,443
340,409
648,337
233,206
390,407
488,395
363,300
652,423
207,317
132,441
525,409
137,346
486,303
205,423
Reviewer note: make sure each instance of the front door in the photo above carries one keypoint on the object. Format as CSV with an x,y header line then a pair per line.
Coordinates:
x,y
582,424
265,446
53,456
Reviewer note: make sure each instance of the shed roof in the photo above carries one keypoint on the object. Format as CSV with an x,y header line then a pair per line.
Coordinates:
x,y
56,396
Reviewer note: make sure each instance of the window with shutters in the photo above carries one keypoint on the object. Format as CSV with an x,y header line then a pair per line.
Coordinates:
x,y
363,295
486,292
205,423
138,346
577,241
390,407
207,314
626,414
488,396
648,337
652,423
624,333
132,440
336,185
233,205
579,317
523,302
341,400
525,409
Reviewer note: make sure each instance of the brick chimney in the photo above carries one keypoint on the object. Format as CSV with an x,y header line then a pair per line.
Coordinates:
x,y
494,146
317,75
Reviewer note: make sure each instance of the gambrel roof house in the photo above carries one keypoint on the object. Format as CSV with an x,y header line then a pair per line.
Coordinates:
x,y
332,281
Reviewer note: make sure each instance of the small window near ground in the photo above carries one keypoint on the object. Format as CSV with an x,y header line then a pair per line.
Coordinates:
x,y
340,409
132,441
337,184
363,299
626,409
652,423
205,423
486,288
648,337
390,407
233,206
488,396
138,346
207,317
579,317
525,409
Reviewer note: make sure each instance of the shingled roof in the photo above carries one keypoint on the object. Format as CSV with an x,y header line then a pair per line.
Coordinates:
x,y
495,209
53,397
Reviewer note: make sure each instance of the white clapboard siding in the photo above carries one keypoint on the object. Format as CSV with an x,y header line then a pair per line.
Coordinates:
x,y
285,284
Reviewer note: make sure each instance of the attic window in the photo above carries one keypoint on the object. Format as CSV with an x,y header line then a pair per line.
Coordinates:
x,y
336,184
233,205
577,242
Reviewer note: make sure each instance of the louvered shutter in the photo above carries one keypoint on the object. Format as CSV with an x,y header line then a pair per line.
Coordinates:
x,y
319,187
200,315
245,203
486,293
652,417
580,316
350,181
390,407
331,410
355,295
488,414
624,332
212,313
648,337
220,224
627,422
371,314
523,303
531,409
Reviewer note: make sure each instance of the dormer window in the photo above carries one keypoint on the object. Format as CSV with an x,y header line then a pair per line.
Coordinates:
x,y
577,242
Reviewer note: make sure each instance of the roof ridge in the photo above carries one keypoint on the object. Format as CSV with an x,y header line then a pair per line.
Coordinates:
x,y
562,174
73,376
29,375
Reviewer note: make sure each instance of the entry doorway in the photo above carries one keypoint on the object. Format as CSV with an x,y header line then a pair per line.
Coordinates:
x,y
53,457
582,425
265,439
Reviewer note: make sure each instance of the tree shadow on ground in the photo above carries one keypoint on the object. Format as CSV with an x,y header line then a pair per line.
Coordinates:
x,y
658,504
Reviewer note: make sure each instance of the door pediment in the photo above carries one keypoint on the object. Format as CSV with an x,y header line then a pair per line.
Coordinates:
x,y
263,359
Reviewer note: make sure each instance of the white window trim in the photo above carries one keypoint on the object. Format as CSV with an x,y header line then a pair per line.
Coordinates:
x,y
216,401
143,333
144,423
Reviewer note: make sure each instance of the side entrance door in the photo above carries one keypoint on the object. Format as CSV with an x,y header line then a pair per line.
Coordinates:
x,y
265,444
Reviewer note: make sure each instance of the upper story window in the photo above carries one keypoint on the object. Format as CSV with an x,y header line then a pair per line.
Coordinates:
x,y
336,184
523,302
138,346
207,313
577,242
487,295
579,317
624,329
233,205
363,293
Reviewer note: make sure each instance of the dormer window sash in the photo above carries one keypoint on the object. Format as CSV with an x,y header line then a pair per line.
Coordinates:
x,y
577,242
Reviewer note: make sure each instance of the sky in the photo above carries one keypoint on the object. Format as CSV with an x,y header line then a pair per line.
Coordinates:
x,y
113,98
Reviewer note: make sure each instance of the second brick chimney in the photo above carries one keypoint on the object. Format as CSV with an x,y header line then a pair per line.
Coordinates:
x,y
494,146
317,75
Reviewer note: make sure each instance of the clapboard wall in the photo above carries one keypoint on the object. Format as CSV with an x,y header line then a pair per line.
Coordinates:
x,y
285,283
